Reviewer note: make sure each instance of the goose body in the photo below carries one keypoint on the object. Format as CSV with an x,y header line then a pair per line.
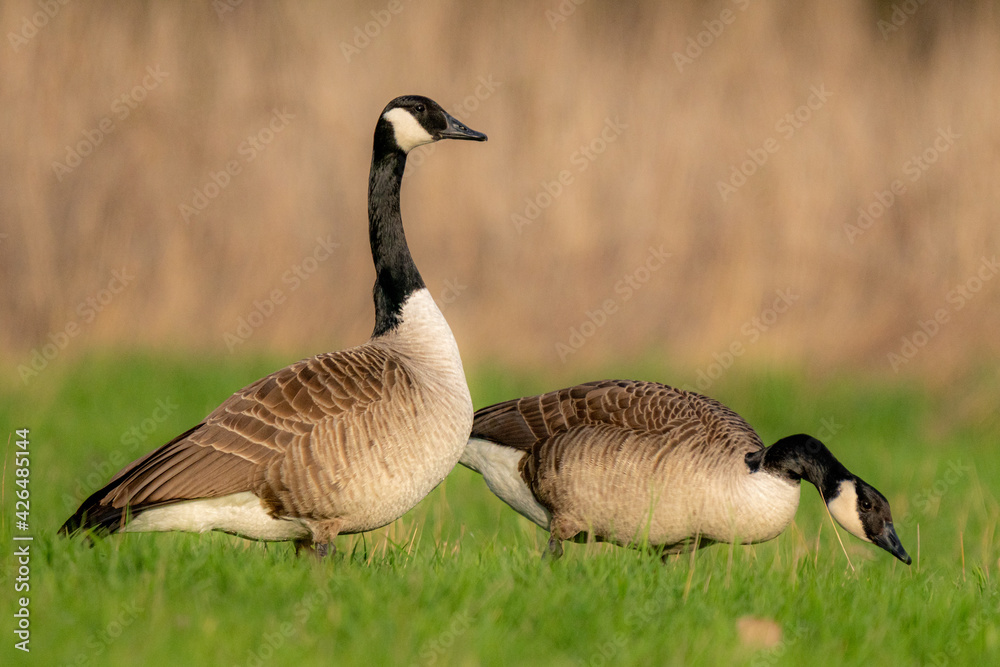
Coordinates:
x,y
342,442
644,463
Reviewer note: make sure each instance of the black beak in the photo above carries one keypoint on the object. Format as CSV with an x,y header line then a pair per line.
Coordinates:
x,y
889,541
456,129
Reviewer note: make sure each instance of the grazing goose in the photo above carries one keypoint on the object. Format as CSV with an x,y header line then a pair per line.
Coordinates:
x,y
342,442
639,462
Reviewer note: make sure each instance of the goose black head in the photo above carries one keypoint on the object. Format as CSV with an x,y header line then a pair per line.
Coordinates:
x,y
864,512
855,504
412,120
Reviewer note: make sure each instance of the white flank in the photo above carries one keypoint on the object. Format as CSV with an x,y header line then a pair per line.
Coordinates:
x,y
238,514
498,466
409,132
844,508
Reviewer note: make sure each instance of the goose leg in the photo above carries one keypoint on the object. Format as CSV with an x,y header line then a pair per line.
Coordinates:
x,y
665,557
305,545
320,542
325,550
554,550
560,528
318,550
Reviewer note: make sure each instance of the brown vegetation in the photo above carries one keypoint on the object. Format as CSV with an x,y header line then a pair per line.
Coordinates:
x,y
175,91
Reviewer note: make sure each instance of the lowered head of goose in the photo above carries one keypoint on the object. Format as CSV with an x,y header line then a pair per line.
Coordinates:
x,y
856,505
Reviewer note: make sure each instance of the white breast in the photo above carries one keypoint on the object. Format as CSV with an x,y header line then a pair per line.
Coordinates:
x,y
423,340
421,433
761,506
423,336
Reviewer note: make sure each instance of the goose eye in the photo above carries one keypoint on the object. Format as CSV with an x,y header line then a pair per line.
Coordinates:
x,y
866,505
420,108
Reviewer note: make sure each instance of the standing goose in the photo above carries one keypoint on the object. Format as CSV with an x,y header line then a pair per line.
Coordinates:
x,y
639,462
343,442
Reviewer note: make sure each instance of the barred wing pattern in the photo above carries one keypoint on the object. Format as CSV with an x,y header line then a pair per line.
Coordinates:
x,y
264,438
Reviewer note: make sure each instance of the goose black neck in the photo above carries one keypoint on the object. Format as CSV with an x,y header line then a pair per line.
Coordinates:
x,y
802,457
396,276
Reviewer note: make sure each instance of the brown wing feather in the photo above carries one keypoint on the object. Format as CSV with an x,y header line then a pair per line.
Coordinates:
x,y
645,407
240,446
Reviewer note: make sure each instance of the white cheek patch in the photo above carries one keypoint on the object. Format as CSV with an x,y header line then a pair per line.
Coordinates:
x,y
844,508
409,133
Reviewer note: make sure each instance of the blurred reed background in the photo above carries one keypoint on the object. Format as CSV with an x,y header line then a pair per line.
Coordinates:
x,y
144,106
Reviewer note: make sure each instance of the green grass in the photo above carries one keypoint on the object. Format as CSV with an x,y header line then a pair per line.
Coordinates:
x,y
459,580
